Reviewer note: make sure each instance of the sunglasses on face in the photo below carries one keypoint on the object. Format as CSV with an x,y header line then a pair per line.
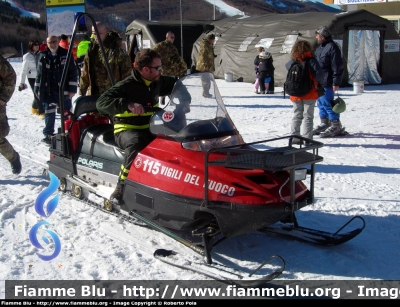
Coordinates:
x,y
35,44
158,68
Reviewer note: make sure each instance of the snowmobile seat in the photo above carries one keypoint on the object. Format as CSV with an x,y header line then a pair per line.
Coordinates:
x,y
84,104
98,141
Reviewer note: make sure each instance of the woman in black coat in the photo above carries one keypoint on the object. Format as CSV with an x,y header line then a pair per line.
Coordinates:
x,y
266,69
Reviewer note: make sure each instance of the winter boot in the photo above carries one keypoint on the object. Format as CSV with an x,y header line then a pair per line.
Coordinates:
x,y
116,196
16,166
296,141
325,124
261,92
335,129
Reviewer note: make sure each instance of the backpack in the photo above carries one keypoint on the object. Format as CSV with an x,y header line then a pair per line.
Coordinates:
x,y
298,80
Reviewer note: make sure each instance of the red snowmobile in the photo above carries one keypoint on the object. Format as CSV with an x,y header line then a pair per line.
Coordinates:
x,y
198,182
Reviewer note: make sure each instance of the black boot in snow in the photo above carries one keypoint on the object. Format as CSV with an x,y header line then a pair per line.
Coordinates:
x,y
16,166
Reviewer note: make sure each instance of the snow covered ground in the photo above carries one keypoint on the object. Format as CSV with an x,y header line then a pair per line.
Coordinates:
x,y
360,175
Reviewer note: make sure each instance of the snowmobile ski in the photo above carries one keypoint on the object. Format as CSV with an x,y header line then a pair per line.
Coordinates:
x,y
214,271
313,235
220,272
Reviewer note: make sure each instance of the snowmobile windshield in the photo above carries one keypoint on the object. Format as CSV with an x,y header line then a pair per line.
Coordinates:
x,y
196,117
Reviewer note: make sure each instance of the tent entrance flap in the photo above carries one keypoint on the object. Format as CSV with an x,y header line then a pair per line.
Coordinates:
x,y
364,56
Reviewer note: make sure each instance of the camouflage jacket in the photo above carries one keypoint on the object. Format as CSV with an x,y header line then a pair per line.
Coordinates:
x,y
172,63
205,57
8,77
94,77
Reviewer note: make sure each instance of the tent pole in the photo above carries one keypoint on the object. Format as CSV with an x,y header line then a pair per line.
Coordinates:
x,y
149,10
181,30
214,9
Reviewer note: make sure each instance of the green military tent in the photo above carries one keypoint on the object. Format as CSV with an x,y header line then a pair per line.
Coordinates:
x,y
145,34
369,43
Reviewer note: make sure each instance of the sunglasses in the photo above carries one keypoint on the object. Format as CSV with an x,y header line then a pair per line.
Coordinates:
x,y
35,44
158,68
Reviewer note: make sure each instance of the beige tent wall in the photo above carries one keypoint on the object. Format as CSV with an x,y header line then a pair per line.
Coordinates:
x,y
232,32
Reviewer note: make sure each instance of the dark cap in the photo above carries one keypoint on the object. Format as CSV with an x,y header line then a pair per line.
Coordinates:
x,y
64,37
323,31
210,36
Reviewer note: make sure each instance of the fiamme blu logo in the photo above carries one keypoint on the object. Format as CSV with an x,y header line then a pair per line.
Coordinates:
x,y
40,236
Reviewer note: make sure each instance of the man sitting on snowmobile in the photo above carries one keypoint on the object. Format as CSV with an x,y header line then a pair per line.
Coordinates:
x,y
125,103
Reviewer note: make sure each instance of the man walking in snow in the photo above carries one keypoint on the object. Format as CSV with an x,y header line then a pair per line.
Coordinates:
x,y
330,60
7,86
205,62
51,65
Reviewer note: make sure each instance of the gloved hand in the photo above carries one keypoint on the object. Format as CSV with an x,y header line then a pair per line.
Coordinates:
x,y
22,87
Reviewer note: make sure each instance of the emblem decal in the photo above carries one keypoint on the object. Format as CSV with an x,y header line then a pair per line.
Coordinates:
x,y
168,116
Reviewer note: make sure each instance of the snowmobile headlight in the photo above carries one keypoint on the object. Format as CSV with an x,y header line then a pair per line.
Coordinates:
x,y
204,145
300,174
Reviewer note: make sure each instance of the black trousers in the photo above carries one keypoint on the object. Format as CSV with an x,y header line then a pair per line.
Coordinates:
x,y
272,84
262,76
36,104
132,141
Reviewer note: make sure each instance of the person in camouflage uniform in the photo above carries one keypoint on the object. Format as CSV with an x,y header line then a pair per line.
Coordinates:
x,y
94,78
172,63
205,62
8,78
